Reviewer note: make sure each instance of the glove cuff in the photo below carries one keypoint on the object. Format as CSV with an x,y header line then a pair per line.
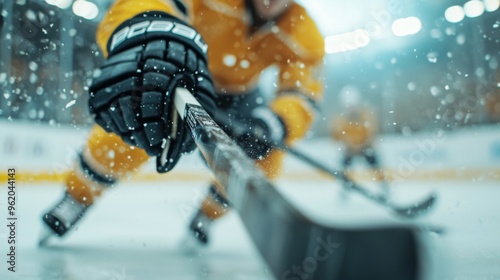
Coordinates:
x,y
275,124
153,26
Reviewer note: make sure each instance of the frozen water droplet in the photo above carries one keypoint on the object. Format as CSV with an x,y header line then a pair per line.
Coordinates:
x,y
461,39
412,86
33,66
71,103
229,60
435,91
244,64
432,57
479,72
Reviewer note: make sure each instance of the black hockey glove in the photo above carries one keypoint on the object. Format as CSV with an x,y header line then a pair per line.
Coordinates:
x,y
149,57
259,134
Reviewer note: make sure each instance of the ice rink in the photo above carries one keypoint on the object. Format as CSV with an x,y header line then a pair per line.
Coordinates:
x,y
138,231
414,85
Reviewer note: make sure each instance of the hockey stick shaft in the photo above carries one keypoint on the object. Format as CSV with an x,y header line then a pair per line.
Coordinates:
x,y
283,235
409,211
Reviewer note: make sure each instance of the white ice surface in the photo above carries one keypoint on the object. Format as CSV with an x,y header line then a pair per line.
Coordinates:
x,y
133,232
137,231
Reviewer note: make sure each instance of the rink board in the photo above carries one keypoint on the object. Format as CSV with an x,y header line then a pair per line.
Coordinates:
x,y
42,153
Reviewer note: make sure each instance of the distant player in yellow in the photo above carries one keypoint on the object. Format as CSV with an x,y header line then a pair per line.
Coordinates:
x,y
493,100
356,128
217,49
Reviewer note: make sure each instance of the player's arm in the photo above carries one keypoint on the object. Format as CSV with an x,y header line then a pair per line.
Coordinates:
x,y
290,115
300,85
151,50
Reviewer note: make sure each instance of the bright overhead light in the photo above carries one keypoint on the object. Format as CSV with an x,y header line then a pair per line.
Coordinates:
x,y
406,26
85,9
491,5
347,41
454,14
63,4
474,8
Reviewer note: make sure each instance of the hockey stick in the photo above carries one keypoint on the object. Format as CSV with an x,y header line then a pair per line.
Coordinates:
x,y
293,245
410,211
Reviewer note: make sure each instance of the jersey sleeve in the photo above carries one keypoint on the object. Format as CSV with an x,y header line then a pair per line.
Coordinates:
x,y
123,10
300,80
301,71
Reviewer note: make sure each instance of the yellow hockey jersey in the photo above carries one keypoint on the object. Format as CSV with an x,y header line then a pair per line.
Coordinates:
x,y
355,129
237,56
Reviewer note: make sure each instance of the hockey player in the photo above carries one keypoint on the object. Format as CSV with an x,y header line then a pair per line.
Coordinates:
x,y
356,128
217,49
493,100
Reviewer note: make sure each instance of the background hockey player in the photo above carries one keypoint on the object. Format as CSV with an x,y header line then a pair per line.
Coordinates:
x,y
154,46
356,127
493,100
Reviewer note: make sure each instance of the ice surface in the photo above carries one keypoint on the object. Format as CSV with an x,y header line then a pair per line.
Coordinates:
x,y
137,231
133,232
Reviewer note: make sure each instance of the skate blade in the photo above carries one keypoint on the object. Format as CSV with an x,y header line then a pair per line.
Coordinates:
x,y
190,245
46,236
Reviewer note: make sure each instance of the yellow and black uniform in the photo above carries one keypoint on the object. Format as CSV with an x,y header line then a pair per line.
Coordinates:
x,y
356,130
493,100
237,55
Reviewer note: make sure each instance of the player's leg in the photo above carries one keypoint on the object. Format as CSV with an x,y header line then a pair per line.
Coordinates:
x,y
103,161
213,207
216,204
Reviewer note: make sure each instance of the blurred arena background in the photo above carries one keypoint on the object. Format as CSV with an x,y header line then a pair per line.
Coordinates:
x,y
421,64
422,67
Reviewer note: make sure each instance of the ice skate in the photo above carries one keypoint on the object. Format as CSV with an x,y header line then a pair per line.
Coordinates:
x,y
199,228
61,218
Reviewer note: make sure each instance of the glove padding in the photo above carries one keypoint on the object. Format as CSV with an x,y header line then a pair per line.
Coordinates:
x,y
260,133
149,57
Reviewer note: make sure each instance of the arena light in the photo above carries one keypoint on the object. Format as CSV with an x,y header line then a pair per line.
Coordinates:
x,y
63,4
406,26
85,9
347,41
491,5
474,8
454,14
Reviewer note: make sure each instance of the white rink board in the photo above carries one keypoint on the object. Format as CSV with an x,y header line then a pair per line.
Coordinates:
x,y
42,148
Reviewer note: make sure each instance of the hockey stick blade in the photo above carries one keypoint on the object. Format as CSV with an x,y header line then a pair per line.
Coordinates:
x,y
416,209
411,211
293,245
